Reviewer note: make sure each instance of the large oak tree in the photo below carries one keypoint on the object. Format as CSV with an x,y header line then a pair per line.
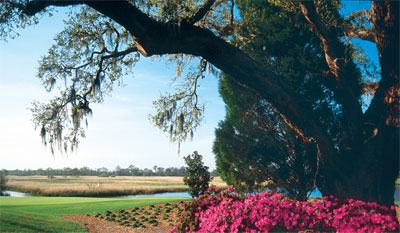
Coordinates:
x,y
104,39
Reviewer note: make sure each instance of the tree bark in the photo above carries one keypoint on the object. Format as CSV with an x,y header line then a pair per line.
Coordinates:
x,y
344,76
374,170
383,115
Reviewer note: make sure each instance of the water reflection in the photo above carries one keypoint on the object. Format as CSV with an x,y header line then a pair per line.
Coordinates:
x,y
166,194
16,194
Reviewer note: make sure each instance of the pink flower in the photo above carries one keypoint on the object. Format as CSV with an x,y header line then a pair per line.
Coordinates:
x,y
224,211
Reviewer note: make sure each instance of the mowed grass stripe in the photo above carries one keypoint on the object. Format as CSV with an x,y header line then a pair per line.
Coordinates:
x,y
44,214
28,222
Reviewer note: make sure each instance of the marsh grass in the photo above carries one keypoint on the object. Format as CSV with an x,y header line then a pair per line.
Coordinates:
x,y
93,186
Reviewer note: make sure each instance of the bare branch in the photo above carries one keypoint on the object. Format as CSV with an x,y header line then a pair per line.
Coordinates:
x,y
357,14
310,13
360,33
352,31
370,88
121,53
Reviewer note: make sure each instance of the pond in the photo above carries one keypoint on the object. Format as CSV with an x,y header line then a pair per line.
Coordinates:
x,y
314,194
166,194
16,194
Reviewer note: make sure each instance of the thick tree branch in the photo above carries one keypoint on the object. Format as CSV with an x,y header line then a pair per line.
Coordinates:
x,y
344,82
329,38
36,6
385,107
200,13
370,88
360,33
383,114
157,38
311,15
357,14
120,53
355,32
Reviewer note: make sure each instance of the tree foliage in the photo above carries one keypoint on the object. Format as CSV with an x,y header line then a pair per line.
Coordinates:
x,y
197,176
3,181
253,145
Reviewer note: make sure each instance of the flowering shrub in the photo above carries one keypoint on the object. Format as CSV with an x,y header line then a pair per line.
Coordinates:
x,y
226,211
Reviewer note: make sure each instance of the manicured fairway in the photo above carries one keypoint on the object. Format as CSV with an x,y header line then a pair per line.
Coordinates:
x,y
44,214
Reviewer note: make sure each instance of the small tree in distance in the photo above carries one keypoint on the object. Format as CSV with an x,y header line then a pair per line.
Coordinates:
x,y
197,176
3,181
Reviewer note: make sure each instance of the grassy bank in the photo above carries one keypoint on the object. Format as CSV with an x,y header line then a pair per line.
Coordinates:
x,y
93,186
45,214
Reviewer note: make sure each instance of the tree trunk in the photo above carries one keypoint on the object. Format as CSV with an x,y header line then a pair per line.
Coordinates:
x,y
371,174
384,113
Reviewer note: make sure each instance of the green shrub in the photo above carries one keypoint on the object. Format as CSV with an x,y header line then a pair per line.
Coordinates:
x,y
197,176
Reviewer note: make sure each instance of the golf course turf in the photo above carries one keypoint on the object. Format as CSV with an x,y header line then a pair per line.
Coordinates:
x,y
45,214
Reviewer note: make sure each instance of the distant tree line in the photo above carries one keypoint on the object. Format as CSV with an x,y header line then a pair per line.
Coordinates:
x,y
131,170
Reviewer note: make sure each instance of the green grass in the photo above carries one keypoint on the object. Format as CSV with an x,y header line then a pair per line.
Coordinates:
x,y
45,214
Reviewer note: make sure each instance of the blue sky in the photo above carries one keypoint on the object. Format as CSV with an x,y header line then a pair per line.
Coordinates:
x,y
120,132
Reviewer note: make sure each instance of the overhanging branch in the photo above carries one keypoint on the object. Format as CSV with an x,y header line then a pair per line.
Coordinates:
x,y
36,6
158,38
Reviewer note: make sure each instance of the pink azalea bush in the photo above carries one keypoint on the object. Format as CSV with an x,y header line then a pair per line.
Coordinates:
x,y
226,211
